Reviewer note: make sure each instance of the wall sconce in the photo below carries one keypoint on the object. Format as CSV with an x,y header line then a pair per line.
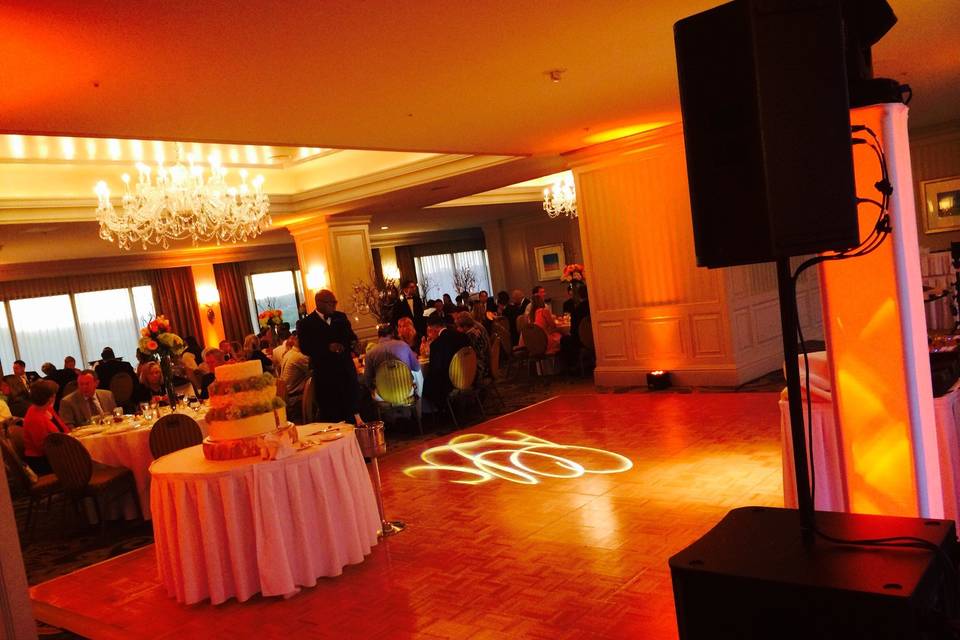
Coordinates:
x,y
391,273
316,278
208,295
658,380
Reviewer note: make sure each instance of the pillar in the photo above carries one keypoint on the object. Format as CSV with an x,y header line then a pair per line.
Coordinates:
x,y
493,240
334,253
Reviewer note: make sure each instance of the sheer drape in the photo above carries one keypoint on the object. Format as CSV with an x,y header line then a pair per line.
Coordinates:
x,y
476,261
435,275
45,331
106,320
234,306
176,298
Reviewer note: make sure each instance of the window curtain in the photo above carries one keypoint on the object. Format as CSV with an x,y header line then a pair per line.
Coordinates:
x,y
378,269
234,303
408,270
39,287
435,275
476,261
175,297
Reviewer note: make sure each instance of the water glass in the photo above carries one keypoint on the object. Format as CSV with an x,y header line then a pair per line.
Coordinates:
x,y
194,403
118,414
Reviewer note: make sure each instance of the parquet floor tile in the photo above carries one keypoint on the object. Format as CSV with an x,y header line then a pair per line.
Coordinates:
x,y
582,557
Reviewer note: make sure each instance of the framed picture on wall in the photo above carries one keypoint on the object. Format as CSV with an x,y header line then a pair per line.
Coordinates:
x,y
941,204
550,261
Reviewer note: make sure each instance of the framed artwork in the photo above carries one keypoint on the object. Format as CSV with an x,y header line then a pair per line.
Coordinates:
x,y
550,261
941,204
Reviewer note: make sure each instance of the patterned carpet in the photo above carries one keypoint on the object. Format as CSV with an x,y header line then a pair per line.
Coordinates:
x,y
61,543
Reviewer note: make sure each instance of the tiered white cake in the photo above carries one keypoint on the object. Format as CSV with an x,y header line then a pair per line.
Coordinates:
x,y
244,407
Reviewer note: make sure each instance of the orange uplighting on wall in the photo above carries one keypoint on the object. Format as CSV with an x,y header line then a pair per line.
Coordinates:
x,y
208,301
622,132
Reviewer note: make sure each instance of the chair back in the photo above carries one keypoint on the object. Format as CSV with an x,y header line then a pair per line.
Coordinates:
x,y
585,333
15,465
463,368
522,321
394,383
495,357
502,331
15,435
309,401
70,461
174,432
121,386
69,388
535,340
282,390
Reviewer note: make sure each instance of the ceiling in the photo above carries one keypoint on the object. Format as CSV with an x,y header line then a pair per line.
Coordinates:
x,y
356,106
437,76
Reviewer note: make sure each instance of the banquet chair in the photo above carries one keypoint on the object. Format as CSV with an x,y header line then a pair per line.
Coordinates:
x,y
535,341
491,382
463,373
37,487
69,388
121,386
501,331
309,402
80,478
174,432
394,384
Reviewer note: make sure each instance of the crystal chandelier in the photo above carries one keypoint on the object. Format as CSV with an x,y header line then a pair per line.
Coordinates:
x,y
180,202
561,198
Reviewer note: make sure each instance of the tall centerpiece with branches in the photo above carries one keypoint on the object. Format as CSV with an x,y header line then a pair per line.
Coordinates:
x,y
158,341
464,280
378,301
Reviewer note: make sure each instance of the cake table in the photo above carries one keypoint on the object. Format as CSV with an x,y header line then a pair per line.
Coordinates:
x,y
234,528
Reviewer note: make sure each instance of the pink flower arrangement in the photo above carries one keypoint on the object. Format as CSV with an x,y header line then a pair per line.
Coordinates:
x,y
573,273
270,317
156,338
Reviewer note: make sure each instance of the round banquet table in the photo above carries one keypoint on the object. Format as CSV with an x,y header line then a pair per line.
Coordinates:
x,y
234,528
128,445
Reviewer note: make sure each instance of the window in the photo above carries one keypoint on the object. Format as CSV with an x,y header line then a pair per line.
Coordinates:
x,y
435,274
275,290
6,341
49,328
46,331
106,319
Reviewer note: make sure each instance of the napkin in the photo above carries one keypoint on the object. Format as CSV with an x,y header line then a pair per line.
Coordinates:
x,y
276,446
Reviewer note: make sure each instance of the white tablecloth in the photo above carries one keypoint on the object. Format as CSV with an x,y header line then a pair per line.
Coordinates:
x,y
130,449
235,528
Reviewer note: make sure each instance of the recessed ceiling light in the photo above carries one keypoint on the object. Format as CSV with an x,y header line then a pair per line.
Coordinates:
x,y
384,227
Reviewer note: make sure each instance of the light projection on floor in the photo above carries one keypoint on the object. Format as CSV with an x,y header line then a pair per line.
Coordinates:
x,y
475,458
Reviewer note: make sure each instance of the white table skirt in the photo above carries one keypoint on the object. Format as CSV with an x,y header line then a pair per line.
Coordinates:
x,y
130,449
828,448
236,528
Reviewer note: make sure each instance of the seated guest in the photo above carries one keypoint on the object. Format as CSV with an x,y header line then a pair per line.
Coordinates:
x,y
226,350
5,413
444,343
212,358
479,340
49,370
503,299
41,420
194,348
540,315
109,366
489,303
276,355
79,407
295,370
408,333
70,364
150,385
569,304
518,303
389,347
251,351
448,306
61,376
19,383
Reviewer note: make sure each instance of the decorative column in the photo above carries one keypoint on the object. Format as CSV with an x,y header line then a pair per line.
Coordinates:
x,y
208,299
334,253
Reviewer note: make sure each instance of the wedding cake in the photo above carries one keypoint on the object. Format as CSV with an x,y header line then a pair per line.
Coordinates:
x,y
244,409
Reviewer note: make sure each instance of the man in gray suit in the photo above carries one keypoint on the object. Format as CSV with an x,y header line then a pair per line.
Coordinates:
x,y
87,401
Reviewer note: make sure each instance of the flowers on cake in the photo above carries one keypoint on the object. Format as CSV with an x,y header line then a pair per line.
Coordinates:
x,y
256,383
235,412
156,339
270,318
572,273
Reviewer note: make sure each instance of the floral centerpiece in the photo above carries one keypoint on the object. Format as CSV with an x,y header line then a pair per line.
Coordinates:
x,y
573,273
158,341
270,318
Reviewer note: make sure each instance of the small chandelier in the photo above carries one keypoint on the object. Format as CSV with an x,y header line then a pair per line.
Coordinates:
x,y
178,202
561,198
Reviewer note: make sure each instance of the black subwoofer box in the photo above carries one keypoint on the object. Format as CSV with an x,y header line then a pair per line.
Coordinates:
x,y
753,576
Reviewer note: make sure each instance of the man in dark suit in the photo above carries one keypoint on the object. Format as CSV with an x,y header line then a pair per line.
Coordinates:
x,y
327,338
445,343
19,382
410,306
109,366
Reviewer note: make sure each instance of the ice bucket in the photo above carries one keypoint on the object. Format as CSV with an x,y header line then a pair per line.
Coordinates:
x,y
371,439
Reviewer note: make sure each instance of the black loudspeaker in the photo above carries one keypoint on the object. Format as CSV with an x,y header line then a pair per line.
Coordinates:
x,y
766,121
753,577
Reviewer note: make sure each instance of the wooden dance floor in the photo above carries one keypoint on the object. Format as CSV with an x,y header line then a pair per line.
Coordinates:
x,y
547,550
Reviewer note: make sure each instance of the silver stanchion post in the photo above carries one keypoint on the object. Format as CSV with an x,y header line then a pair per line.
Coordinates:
x,y
373,444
